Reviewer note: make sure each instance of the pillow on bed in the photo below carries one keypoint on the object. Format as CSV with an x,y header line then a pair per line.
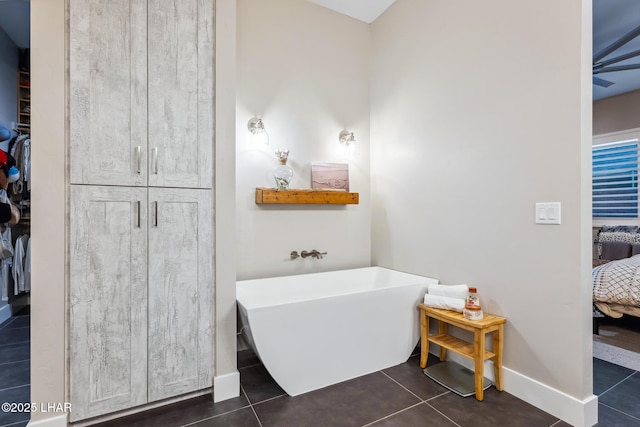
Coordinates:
x,y
635,249
616,250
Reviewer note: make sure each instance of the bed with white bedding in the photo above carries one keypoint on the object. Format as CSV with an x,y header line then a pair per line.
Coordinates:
x,y
616,287
616,272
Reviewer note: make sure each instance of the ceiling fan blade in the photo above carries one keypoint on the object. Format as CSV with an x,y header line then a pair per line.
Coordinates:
x,y
617,59
601,82
617,44
616,68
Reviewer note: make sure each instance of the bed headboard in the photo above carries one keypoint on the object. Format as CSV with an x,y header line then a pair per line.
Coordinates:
x,y
617,241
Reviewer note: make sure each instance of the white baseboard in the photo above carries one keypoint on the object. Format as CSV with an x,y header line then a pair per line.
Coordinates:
x,y
59,421
226,386
578,413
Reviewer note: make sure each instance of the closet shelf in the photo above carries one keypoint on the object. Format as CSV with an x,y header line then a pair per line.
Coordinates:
x,y
303,196
24,98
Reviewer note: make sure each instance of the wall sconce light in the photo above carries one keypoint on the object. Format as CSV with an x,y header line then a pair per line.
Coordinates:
x,y
347,138
259,136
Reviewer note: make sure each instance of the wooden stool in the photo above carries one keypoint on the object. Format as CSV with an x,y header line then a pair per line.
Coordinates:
x,y
475,351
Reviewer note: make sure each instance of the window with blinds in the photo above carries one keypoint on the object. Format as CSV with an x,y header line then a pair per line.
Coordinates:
x,y
615,180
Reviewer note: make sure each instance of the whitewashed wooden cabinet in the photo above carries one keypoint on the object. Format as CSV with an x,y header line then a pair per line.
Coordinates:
x,y
108,299
140,295
141,126
141,92
180,291
108,92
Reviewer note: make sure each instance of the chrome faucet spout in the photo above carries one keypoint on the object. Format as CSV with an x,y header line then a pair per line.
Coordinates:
x,y
314,254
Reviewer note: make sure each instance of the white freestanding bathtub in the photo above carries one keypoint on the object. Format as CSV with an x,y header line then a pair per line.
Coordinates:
x,y
314,330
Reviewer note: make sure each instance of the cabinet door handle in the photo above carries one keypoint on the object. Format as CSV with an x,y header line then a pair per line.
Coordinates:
x,y
139,158
138,207
155,216
155,160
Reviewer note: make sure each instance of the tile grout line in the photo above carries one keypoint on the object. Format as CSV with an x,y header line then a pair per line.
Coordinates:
x,y
14,343
8,331
255,415
220,414
267,400
250,366
212,417
439,395
616,384
392,379
16,386
440,412
8,322
619,411
421,400
394,413
251,406
15,361
15,424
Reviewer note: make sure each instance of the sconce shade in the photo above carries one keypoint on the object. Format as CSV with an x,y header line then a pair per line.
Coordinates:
x,y
259,136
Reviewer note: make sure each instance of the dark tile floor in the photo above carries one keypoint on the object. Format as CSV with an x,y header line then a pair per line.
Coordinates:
x,y
401,396
15,367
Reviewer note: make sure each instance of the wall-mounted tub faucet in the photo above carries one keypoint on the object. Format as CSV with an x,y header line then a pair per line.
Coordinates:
x,y
304,254
314,254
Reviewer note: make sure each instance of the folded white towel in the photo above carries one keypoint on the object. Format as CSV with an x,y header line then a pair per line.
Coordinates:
x,y
447,303
452,291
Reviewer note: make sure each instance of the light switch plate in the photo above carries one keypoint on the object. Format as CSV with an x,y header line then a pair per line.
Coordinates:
x,y
548,213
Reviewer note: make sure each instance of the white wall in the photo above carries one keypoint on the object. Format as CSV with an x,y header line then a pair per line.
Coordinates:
x,y
226,378
48,209
616,113
469,131
304,70
466,139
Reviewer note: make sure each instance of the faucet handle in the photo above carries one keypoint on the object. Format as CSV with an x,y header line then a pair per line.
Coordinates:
x,y
294,254
318,254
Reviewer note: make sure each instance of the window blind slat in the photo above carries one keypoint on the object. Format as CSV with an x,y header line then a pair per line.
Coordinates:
x,y
615,180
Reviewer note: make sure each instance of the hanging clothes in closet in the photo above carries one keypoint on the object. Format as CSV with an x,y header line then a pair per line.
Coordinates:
x,y
20,149
21,268
6,261
15,272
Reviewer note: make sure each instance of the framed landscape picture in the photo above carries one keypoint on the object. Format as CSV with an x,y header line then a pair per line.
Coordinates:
x,y
332,176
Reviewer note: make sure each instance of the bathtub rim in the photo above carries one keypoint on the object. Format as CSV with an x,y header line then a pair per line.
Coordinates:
x,y
257,306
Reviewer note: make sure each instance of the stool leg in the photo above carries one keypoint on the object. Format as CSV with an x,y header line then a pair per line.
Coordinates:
x,y
478,357
497,359
424,338
442,329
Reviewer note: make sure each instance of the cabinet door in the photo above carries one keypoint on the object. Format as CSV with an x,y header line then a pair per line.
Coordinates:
x,y
180,291
108,299
108,92
180,55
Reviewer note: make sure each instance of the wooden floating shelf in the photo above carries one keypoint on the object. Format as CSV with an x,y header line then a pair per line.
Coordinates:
x,y
270,196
